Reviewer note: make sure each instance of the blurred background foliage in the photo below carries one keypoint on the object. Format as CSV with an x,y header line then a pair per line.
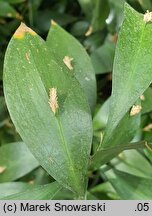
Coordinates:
x,y
95,23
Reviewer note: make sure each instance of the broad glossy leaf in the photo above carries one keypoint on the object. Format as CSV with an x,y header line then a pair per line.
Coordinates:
x,y
120,138
43,19
146,4
56,140
96,11
103,156
101,117
62,44
9,188
17,161
8,11
104,191
100,13
133,162
79,28
115,18
86,6
132,69
94,41
39,192
102,58
130,187
147,102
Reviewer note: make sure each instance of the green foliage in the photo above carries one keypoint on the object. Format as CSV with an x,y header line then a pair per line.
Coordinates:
x,y
71,124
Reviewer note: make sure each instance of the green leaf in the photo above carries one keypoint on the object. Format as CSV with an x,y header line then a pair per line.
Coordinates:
x,y
115,18
2,109
104,191
10,188
86,6
146,4
100,13
8,11
39,192
133,162
102,58
43,19
101,117
55,139
13,157
103,156
146,103
132,69
130,187
15,1
62,44
79,28
96,12
120,138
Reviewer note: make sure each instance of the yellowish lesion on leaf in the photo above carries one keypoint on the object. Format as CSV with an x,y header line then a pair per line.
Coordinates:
x,y
53,23
2,169
67,61
148,16
27,57
22,29
135,110
53,100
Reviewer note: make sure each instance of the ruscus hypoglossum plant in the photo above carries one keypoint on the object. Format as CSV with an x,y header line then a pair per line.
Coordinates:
x,y
50,92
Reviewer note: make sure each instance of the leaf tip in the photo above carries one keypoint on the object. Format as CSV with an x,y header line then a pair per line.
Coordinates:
x,y
53,23
22,29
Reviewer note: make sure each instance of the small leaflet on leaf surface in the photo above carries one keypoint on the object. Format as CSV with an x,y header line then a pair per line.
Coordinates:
x,y
67,61
148,16
135,110
53,100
